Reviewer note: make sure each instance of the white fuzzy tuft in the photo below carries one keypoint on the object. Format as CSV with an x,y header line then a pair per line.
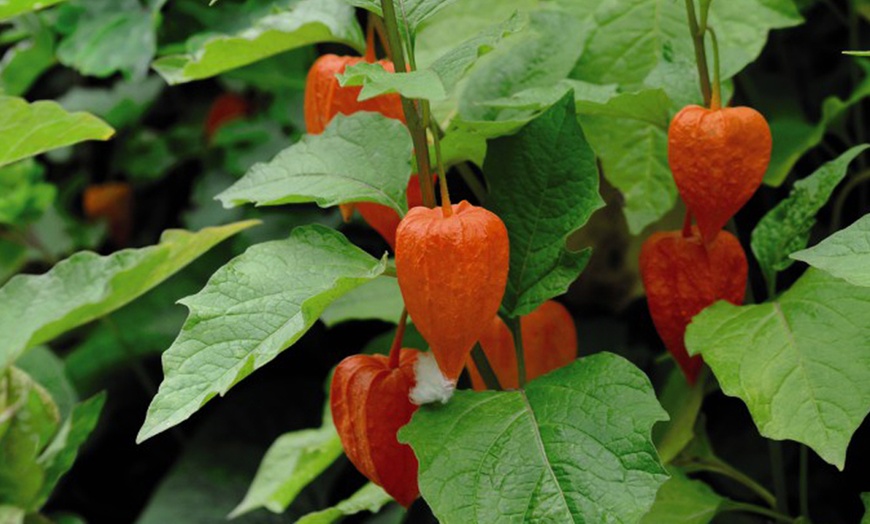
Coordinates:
x,y
431,385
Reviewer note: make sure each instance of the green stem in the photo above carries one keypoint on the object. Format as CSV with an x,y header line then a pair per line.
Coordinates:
x,y
804,483
700,52
442,180
716,97
485,369
476,187
778,470
840,201
396,347
412,116
517,332
730,505
727,470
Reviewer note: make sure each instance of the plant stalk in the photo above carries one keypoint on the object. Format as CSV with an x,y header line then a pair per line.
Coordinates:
x,y
517,332
396,348
730,505
778,470
700,52
484,368
412,116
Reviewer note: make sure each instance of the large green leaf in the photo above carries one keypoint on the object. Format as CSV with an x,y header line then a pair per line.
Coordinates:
x,y
10,8
786,228
30,129
291,463
306,22
647,42
801,363
865,497
793,136
59,456
109,37
368,498
380,299
682,500
630,135
253,308
573,447
47,370
544,185
845,254
35,309
362,157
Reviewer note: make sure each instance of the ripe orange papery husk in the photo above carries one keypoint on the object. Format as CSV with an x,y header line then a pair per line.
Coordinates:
x,y
682,276
549,343
385,220
225,109
718,158
452,272
369,403
325,98
112,202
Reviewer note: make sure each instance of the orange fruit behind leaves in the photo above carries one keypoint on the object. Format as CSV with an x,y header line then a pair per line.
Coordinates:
x,y
112,202
226,108
549,343
369,403
325,98
452,272
385,220
682,276
718,158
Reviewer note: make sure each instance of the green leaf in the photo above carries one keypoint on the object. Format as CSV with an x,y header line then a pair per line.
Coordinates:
x,y
28,419
364,157
799,363
682,500
544,186
637,43
24,196
109,37
865,498
37,308
121,105
30,129
10,8
786,228
379,299
59,456
412,12
307,22
683,403
11,515
24,63
845,254
630,135
573,447
253,308
793,137
368,498
47,370
291,463
377,81
437,81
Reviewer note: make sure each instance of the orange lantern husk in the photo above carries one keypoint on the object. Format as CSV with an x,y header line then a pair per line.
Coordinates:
x,y
369,404
112,202
718,158
452,271
682,276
